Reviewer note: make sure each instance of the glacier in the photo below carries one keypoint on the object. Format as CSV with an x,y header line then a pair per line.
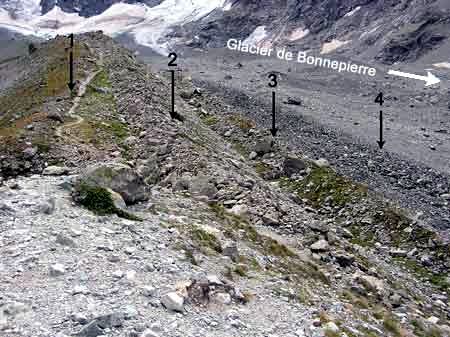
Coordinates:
x,y
148,25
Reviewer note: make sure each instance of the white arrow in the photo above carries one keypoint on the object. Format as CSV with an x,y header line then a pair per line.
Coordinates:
x,y
430,79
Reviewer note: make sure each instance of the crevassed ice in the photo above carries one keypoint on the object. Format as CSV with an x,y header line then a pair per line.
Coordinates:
x,y
22,9
147,25
169,13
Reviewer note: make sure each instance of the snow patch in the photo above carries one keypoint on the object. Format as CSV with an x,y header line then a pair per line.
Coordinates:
x,y
7,22
445,65
22,9
159,19
148,25
258,35
31,8
298,34
333,45
351,13
227,7
56,19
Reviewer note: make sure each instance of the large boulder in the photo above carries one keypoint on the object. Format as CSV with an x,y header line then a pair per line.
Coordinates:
x,y
119,178
149,170
55,171
293,165
203,185
264,146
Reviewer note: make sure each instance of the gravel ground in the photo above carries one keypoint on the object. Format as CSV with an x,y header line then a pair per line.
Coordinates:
x,y
107,263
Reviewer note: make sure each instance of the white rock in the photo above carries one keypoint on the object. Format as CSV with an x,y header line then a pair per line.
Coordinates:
x,y
130,250
148,291
322,162
173,301
240,210
130,141
149,333
57,269
223,298
80,318
252,155
156,327
75,232
433,319
55,171
130,275
214,280
321,245
80,289
446,196
370,282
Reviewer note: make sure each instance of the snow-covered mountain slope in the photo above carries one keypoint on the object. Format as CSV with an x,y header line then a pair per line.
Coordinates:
x,y
21,9
387,31
147,24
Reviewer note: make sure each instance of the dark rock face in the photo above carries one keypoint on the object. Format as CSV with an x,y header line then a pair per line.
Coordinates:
x,y
89,8
415,39
386,30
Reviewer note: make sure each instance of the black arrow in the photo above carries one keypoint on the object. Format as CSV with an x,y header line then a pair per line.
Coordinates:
x,y
71,83
274,128
172,112
381,142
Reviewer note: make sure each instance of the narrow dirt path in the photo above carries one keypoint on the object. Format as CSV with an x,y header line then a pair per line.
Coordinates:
x,y
76,102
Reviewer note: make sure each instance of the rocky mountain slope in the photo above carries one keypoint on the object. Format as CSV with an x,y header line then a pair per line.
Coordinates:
x,y
387,31
118,220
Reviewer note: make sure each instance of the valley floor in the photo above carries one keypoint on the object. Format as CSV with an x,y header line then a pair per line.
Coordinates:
x,y
337,118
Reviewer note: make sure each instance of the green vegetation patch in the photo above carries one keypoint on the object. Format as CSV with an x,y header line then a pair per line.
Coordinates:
x,y
421,330
391,325
243,123
205,239
241,149
100,201
118,129
439,280
93,131
262,168
287,261
101,80
99,109
209,120
323,184
49,81
98,97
